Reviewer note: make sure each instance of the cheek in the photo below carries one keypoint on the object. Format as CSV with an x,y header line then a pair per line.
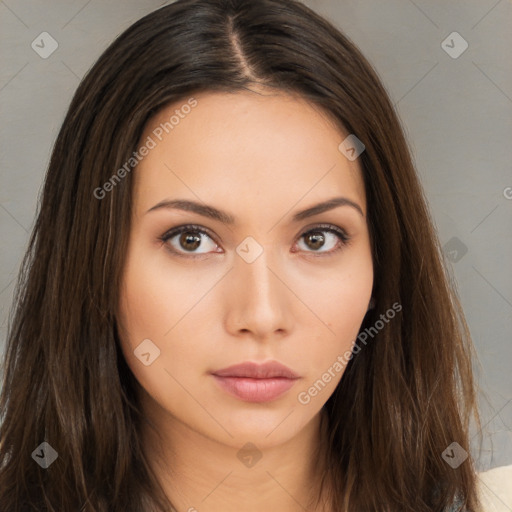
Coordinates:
x,y
339,293
340,302
346,302
155,295
161,303
144,311
150,307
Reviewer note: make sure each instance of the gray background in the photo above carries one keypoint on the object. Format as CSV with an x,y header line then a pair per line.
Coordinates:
x,y
457,113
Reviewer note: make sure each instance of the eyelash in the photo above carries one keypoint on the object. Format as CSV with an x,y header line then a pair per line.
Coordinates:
x,y
195,229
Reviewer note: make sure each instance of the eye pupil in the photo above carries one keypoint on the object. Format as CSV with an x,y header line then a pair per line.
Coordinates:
x,y
189,238
317,240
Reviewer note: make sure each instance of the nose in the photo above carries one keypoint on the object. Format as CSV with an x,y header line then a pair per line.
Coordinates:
x,y
259,301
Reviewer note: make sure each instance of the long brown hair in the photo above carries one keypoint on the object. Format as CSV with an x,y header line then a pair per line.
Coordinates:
x,y
403,399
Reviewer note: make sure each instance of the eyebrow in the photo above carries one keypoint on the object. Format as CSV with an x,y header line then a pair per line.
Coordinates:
x,y
224,217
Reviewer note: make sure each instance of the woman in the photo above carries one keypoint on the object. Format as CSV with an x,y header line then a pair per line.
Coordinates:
x,y
234,297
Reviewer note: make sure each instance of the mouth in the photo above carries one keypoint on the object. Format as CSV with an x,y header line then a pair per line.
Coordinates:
x,y
252,382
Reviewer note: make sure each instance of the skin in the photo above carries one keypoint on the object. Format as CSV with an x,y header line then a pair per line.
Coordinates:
x,y
261,157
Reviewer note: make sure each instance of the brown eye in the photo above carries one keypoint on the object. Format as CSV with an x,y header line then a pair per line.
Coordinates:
x,y
189,241
314,240
322,240
186,240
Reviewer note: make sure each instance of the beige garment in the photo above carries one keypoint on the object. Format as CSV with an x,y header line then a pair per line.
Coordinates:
x,y
495,489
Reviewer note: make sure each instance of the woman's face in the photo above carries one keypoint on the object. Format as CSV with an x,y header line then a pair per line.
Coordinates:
x,y
264,275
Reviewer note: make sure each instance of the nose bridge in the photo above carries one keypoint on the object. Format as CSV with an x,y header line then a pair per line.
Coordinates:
x,y
259,300
255,275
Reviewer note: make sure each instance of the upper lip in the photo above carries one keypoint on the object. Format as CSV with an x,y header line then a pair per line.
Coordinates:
x,y
252,370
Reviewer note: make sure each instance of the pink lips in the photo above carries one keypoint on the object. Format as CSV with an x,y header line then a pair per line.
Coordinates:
x,y
254,382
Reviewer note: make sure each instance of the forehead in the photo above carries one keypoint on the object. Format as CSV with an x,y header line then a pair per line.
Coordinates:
x,y
268,149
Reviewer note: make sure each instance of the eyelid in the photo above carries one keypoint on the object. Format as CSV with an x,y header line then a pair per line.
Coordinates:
x,y
342,234
177,230
344,239
184,227
325,227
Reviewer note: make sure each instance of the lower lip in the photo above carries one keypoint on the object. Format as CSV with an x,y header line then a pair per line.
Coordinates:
x,y
255,390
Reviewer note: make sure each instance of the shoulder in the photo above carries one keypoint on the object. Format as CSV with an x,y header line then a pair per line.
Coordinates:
x,y
495,489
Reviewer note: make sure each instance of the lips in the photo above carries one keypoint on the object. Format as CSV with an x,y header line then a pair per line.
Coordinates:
x,y
254,382
257,371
